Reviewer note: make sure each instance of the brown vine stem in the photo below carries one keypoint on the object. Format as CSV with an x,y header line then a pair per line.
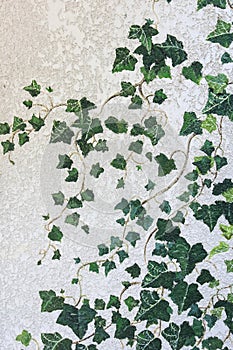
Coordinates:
x,y
37,344
125,289
177,178
155,14
147,242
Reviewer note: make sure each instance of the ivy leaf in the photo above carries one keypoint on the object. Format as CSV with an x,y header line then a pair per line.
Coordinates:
x,y
56,255
222,187
227,231
23,138
205,277
27,103
217,3
192,176
195,311
190,124
131,303
127,89
36,122
226,58
100,335
173,49
150,185
208,147
81,107
229,265
72,219
220,162
50,302
18,124
61,133
116,242
145,222
184,295
33,89
120,183
147,341
166,165
149,156
108,266
4,128
160,250
203,164
64,161
54,341
115,125
119,162
132,238
136,102
158,276
136,146
73,175
193,72
166,231
85,228
217,83
101,146
212,343
76,319
165,207
58,198
103,249
55,234
210,123
124,329
99,304
209,214
122,255
228,195
87,195
152,308
7,146
93,267
74,203
179,336
124,60
144,34
25,337
220,104
221,34
114,302
134,270
96,170
164,72
159,97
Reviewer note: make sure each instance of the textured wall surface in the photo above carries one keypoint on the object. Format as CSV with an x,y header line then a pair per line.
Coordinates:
x,y
70,45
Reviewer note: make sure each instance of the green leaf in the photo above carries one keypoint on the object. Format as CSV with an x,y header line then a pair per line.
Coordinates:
x,y
149,156
222,187
124,329
4,128
127,89
165,207
160,250
81,107
132,238
18,124
203,164
152,130
220,162
119,162
72,219
115,125
216,3
228,195
33,89
74,203
23,138
212,343
87,195
205,277
149,75
190,124
184,295
195,311
166,165
55,234
164,72
84,146
226,58
54,341
136,102
131,303
220,104
152,308
158,276
76,319
229,265
134,270
211,320
144,34
101,146
96,170
179,217
99,304
227,231
210,123
7,146
221,34
221,248
114,302
217,83
192,176
120,183
208,147
145,222
193,72
77,260
25,337
50,302
94,267
103,249
116,242
27,103
73,175
108,266
159,97
166,231
100,335
209,214
85,347
61,133
147,341
124,60
150,185
179,336
36,122
56,255
122,255
136,146
64,161
58,198
173,49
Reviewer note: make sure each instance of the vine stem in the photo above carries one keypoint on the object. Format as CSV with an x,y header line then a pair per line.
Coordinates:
x,y
90,336
37,344
230,4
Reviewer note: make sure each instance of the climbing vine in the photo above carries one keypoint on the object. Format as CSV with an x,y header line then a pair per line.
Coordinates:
x,y
170,297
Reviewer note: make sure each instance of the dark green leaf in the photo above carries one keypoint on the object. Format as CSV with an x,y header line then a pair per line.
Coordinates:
x,y
94,267
195,311
203,164
37,122
18,124
179,336
122,255
212,343
7,146
205,277
190,124
124,329
85,228
147,341
226,58
55,234
208,147
23,138
73,175
103,249
165,206
220,162
144,34
173,49
217,83
150,185
221,104
152,308
115,125
217,3
64,161
166,231
159,97
27,103
127,89
132,238
120,183
134,270
100,335
74,203
136,102
221,34
50,302
4,128
193,72
184,295
130,302
108,266
158,276
160,250
209,214
166,165
56,255
114,302
229,265
124,60
99,304
33,89
119,162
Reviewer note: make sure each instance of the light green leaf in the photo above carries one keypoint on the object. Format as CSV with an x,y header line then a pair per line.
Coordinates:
x,y
87,195
228,195
72,219
131,303
217,83
227,231
58,198
164,72
132,238
210,123
221,248
136,146
221,34
25,337
61,132
229,265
